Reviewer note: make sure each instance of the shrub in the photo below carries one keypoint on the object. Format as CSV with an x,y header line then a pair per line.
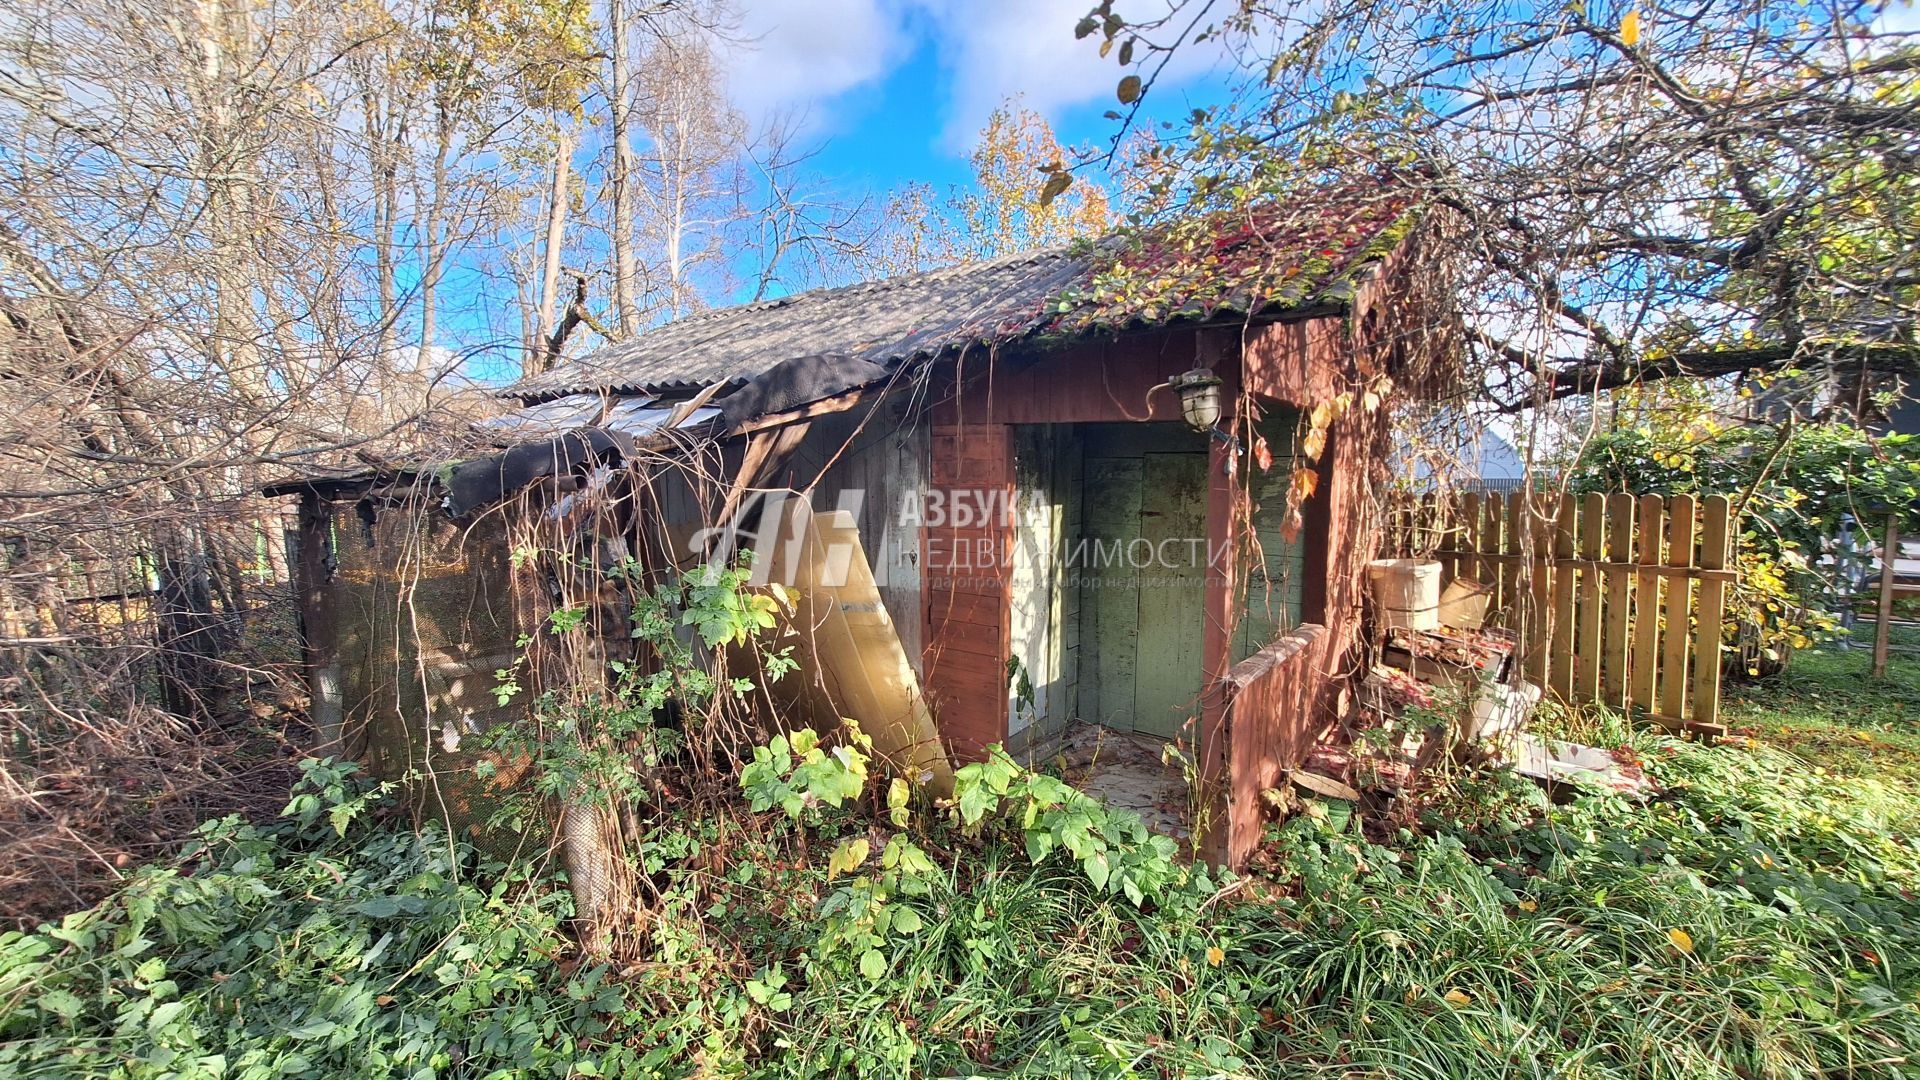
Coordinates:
x,y
326,944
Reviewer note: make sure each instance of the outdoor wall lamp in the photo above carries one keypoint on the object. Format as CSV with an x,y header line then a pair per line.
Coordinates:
x,y
1199,392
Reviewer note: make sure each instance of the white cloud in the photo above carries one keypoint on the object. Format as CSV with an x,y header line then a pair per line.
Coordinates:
x,y
796,56
1898,17
799,55
996,48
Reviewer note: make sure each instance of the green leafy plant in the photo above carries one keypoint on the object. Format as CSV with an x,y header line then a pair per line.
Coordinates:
x,y
799,775
599,744
323,944
1113,847
803,779
723,610
1757,920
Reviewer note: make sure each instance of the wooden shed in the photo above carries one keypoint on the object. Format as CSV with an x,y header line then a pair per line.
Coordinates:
x,y
1130,485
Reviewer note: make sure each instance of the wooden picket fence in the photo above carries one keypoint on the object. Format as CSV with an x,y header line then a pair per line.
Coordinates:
x,y
1614,598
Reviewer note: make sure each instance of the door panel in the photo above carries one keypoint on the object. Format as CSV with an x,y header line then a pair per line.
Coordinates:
x,y
1172,592
1110,603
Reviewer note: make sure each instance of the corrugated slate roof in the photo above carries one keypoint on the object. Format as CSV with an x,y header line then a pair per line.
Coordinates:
x,y
883,322
1282,258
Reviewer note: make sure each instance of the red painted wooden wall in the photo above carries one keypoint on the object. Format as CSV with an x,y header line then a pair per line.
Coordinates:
x,y
1255,722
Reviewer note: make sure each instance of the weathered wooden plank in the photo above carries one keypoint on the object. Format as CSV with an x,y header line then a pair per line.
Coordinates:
x,y
1592,532
1492,540
945,605
1033,584
978,668
1714,536
1675,631
856,651
1614,647
1646,604
1112,607
1069,485
1607,607
1512,516
1271,595
980,639
1172,629
1453,534
1561,627
1538,529
1694,572
1469,566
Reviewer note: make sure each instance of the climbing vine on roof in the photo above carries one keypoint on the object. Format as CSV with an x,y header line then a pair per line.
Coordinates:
x,y
1292,250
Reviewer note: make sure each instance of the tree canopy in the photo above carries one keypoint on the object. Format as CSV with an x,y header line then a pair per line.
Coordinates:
x,y
1642,190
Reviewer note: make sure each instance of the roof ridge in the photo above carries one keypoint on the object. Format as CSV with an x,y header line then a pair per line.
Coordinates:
x,y
900,280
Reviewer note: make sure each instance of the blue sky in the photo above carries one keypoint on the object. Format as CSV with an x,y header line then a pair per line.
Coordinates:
x,y
896,90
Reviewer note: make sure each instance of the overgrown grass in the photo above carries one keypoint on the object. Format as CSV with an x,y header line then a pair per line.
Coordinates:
x,y
1828,710
1756,922
1760,919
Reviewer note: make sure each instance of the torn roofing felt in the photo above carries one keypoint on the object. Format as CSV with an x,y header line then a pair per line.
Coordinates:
x,y
584,428
639,417
793,383
485,481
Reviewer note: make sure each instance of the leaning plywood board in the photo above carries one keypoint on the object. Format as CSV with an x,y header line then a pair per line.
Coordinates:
x,y
849,653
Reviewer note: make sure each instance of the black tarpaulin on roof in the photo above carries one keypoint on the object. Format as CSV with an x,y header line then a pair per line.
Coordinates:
x,y
487,480
793,383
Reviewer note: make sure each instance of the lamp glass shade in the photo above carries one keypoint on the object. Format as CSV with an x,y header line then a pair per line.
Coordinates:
x,y
1200,404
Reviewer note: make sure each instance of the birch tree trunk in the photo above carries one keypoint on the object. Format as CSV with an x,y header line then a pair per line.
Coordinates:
x,y
381,153
537,354
432,244
626,265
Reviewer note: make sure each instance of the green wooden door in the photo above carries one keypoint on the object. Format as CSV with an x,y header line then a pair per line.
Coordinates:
x,y
1168,661
1144,590
1109,600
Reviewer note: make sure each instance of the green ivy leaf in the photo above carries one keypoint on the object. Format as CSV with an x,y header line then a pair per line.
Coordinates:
x,y
1098,869
60,1003
847,858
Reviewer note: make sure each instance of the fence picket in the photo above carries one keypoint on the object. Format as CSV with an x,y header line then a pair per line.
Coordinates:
x,y
1619,582
1544,510
1676,634
1469,565
1492,535
1716,509
1586,661
1646,603
1560,663
1609,596
1521,583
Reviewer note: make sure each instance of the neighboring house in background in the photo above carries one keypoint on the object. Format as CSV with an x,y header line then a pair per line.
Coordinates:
x,y
1495,465
1462,453
996,431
